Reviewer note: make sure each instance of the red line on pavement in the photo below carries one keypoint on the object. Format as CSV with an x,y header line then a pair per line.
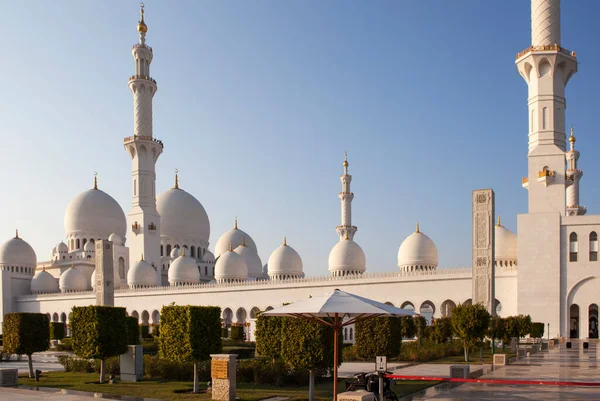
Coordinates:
x,y
496,381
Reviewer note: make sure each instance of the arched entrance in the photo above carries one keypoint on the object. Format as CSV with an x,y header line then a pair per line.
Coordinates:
x,y
574,321
427,310
593,321
447,308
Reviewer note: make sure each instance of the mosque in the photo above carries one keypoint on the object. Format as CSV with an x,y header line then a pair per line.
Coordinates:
x,y
161,248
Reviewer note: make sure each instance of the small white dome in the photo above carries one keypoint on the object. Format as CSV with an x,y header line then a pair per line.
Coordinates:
x,y
208,257
184,270
285,262
505,248
142,274
347,257
231,266
252,260
116,279
89,247
418,251
72,280
116,239
175,252
17,252
62,248
182,216
43,283
96,214
235,236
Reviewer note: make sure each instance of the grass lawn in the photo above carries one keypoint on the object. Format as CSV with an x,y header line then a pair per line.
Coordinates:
x,y
474,357
169,390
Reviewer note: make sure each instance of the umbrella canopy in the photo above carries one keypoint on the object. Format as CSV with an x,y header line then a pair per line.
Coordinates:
x,y
337,305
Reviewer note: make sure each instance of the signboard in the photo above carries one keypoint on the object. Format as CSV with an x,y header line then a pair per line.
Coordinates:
x,y
381,364
219,368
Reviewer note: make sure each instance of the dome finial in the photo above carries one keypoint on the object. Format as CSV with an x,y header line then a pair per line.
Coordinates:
x,y
498,224
285,241
417,229
345,164
142,27
230,247
17,233
176,179
235,223
572,137
95,180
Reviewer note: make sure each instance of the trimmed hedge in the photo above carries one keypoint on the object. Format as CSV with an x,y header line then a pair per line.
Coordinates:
x,y
378,337
308,344
268,337
441,331
26,333
189,333
98,331
537,330
237,333
157,368
144,331
224,332
57,330
133,334
65,345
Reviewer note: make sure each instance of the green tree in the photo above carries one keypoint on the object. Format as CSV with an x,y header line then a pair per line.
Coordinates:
x,y
496,330
537,330
237,333
132,330
26,333
57,330
99,332
408,327
189,334
378,337
469,324
268,336
441,330
308,345
524,325
420,328
511,328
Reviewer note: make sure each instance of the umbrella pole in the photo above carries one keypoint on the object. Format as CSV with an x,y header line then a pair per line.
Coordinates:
x,y
335,356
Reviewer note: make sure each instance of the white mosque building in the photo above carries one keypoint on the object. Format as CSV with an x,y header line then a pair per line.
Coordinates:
x,y
161,249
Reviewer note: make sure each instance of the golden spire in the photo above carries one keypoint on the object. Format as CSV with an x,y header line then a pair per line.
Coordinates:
x,y
285,241
95,180
176,179
17,233
345,159
235,223
142,27
244,240
417,229
498,224
230,247
572,137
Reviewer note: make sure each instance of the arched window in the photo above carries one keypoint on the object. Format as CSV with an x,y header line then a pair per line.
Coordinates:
x,y
122,268
345,334
351,334
206,270
168,250
593,247
84,241
193,251
161,250
573,247
78,244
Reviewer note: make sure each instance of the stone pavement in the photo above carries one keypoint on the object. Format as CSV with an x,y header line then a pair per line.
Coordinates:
x,y
556,365
47,394
44,361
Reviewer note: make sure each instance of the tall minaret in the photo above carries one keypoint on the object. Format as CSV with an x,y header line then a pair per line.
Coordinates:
x,y
546,67
573,177
346,230
144,149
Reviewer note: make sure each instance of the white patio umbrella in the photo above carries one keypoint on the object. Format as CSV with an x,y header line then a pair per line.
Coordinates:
x,y
337,306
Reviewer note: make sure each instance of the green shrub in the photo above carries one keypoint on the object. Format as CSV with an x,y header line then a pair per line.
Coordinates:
x,y
349,353
133,334
428,350
241,352
157,368
237,333
145,331
57,330
150,347
65,345
224,332
377,337
409,328
156,331
441,331
112,365
77,365
537,330
268,336
420,327
26,333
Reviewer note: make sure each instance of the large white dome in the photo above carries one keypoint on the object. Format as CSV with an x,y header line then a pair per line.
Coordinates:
x,y
72,280
347,257
17,252
184,270
505,248
253,262
233,237
142,274
182,216
284,263
95,213
231,266
417,252
43,283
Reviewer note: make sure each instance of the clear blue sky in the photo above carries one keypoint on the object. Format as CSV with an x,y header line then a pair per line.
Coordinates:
x,y
258,100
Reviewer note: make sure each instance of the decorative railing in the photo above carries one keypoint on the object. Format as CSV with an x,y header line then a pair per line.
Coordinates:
x,y
145,77
554,47
143,138
546,173
138,45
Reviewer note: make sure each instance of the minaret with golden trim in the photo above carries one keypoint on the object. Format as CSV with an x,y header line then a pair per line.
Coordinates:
x,y
346,229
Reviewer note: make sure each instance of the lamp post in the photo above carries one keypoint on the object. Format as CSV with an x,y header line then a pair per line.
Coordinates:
x,y
548,332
